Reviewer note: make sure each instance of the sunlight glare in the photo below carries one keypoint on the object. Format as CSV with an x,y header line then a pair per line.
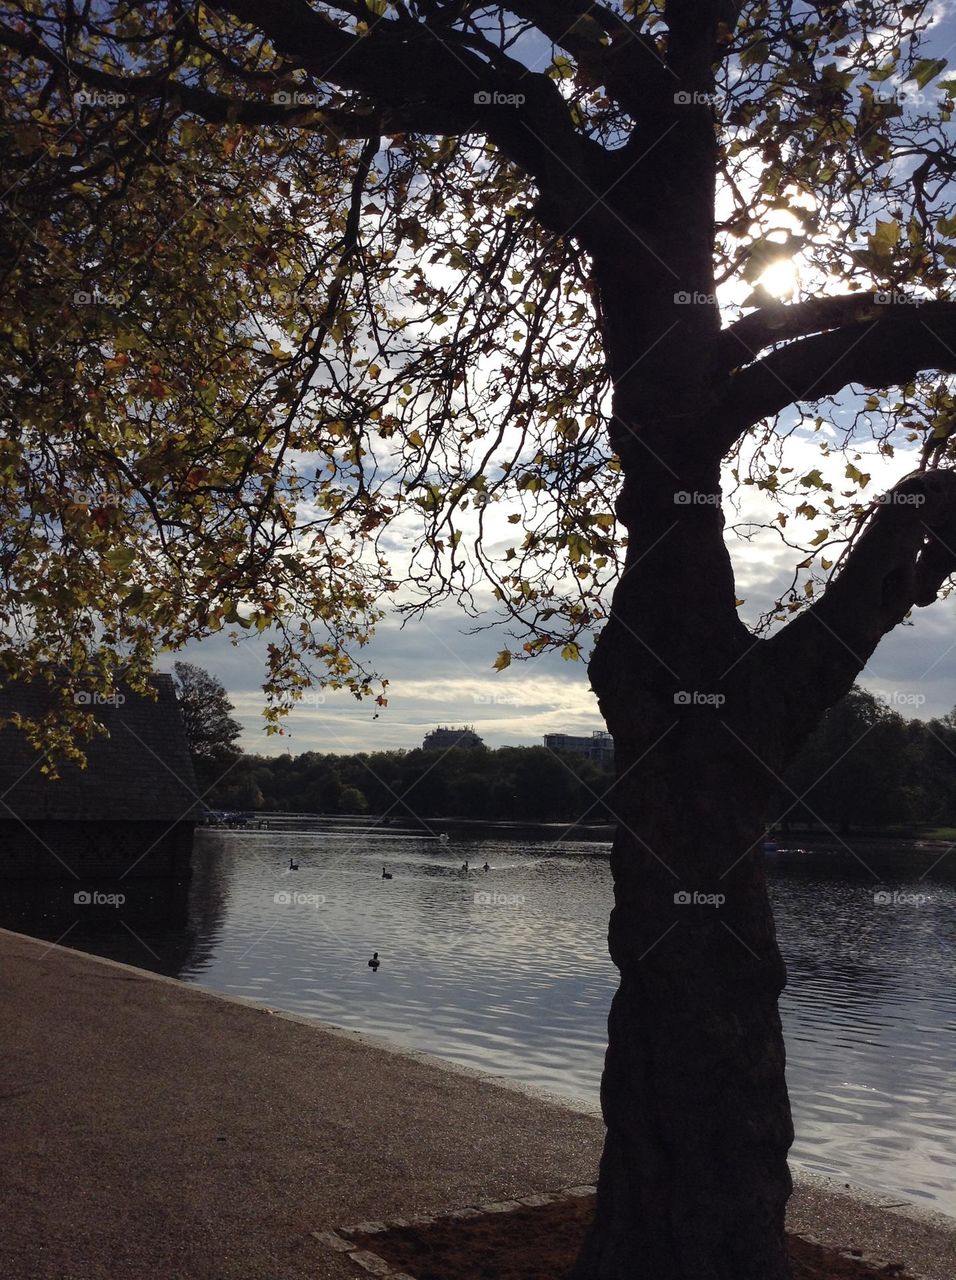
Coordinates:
x,y
780,278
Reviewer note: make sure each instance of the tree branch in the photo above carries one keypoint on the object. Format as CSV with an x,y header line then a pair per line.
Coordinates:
x,y
884,351
626,62
743,341
417,79
901,561
434,80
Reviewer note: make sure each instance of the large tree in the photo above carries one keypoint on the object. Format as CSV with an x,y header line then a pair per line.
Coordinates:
x,y
289,280
211,731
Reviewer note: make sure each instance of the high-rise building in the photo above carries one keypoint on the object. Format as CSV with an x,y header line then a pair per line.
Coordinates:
x,y
599,747
442,738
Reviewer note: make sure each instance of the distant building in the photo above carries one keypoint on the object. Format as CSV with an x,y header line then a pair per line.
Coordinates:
x,y
442,738
599,747
131,812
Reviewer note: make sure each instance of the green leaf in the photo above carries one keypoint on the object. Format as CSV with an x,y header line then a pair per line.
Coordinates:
x,y
885,238
927,69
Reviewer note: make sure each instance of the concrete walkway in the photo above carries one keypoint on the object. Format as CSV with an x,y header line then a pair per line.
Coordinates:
x,y
148,1128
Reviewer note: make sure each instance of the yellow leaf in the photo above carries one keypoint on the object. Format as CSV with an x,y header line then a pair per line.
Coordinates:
x,y
503,660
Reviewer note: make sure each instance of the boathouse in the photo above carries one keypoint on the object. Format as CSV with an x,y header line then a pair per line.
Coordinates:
x,y
131,812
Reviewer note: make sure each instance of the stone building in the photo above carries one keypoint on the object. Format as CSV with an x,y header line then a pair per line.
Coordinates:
x,y
442,738
131,812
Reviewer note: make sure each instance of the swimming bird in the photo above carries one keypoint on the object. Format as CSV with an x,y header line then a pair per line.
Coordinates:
x,y
293,866
486,867
374,962
386,875
464,865
443,838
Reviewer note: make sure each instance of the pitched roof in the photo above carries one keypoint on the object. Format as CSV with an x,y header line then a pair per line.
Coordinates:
x,y
141,772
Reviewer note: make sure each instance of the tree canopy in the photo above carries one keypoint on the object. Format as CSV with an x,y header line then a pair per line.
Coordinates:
x,y
211,731
305,301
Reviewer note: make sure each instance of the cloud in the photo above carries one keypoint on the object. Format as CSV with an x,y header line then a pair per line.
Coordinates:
x,y
438,674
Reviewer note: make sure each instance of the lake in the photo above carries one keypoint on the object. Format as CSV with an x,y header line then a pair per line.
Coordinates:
x,y
508,971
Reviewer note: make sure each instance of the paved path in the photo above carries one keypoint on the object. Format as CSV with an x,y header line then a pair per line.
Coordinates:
x,y
150,1129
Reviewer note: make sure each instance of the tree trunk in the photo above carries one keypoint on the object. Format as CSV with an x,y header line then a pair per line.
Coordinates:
x,y
694,1178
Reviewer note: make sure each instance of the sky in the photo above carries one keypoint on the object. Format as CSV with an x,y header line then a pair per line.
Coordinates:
x,y
442,673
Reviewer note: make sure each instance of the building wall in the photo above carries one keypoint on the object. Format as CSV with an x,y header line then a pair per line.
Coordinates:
x,y
94,851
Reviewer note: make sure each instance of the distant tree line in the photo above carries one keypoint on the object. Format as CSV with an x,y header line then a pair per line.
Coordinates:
x,y
511,783
866,767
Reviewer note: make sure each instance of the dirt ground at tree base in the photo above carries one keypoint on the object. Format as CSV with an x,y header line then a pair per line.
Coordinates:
x,y
541,1243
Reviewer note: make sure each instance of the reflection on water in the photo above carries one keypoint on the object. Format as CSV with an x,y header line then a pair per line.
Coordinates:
x,y
508,971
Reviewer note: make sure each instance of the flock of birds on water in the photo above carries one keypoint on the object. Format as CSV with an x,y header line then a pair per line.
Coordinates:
x,y
374,963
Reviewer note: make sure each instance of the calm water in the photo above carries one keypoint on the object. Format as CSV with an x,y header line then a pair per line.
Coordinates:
x,y
520,985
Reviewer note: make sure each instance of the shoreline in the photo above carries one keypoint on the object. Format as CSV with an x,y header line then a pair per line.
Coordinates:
x,y
202,1096
790,844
